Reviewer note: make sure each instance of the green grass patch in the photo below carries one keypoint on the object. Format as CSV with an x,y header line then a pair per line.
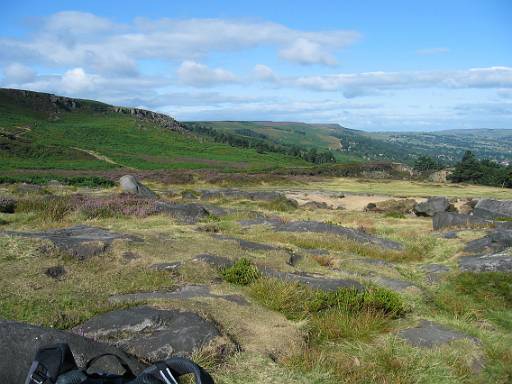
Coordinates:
x,y
243,272
478,295
298,301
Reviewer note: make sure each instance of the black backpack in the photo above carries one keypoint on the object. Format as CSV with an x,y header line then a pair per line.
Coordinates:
x,y
55,364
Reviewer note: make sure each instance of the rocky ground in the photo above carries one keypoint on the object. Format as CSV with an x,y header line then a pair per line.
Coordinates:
x,y
290,283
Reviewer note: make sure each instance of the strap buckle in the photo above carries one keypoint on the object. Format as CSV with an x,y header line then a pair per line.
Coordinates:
x,y
39,375
167,376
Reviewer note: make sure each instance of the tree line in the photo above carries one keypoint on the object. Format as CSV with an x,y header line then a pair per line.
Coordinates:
x,y
470,170
311,155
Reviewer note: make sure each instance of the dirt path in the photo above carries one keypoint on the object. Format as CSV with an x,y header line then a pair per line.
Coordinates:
x,y
101,157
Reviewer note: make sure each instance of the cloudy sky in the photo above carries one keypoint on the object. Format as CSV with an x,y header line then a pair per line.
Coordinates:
x,y
372,65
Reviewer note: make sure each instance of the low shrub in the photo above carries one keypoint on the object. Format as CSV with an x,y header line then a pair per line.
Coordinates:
x,y
243,272
79,181
55,208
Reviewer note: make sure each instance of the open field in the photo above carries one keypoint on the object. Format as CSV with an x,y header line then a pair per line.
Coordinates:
x,y
285,331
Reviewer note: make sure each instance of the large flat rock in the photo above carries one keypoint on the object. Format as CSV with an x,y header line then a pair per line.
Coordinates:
x,y
349,233
451,219
429,334
498,262
496,240
316,282
19,342
79,241
492,209
151,334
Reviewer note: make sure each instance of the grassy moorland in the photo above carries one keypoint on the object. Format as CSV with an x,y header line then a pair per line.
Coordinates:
x,y
287,332
93,137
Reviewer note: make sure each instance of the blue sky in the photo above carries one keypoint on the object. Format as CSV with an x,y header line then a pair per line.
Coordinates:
x,y
372,65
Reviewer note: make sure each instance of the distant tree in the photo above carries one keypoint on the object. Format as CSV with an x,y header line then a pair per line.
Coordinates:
x,y
425,164
485,172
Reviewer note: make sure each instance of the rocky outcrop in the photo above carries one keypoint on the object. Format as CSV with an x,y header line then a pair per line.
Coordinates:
x,y
159,119
81,241
151,334
498,262
451,219
20,341
432,206
493,209
129,184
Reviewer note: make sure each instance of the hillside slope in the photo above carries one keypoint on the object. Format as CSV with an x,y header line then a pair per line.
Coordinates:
x,y
354,145
43,131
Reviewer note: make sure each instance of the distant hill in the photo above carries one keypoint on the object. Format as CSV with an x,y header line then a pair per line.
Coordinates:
x,y
349,145
44,131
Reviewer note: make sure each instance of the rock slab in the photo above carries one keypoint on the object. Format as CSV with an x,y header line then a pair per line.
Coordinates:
x,y
451,219
493,209
20,341
349,233
80,241
499,262
429,334
151,334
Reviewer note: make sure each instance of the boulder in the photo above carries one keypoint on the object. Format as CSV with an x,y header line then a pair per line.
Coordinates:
x,y
432,206
7,205
20,341
496,240
129,184
80,241
349,233
393,205
498,262
451,219
493,209
151,334
429,334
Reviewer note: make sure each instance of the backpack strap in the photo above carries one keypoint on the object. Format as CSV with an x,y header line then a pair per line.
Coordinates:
x,y
170,370
49,363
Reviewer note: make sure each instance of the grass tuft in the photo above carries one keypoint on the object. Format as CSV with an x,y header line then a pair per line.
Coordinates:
x,y
243,272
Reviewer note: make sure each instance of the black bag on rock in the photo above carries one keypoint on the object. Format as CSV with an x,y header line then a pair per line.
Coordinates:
x,y
56,365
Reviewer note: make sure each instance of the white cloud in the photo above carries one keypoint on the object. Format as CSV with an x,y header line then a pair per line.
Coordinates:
x,y
432,51
200,75
77,39
264,73
305,51
371,82
16,73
